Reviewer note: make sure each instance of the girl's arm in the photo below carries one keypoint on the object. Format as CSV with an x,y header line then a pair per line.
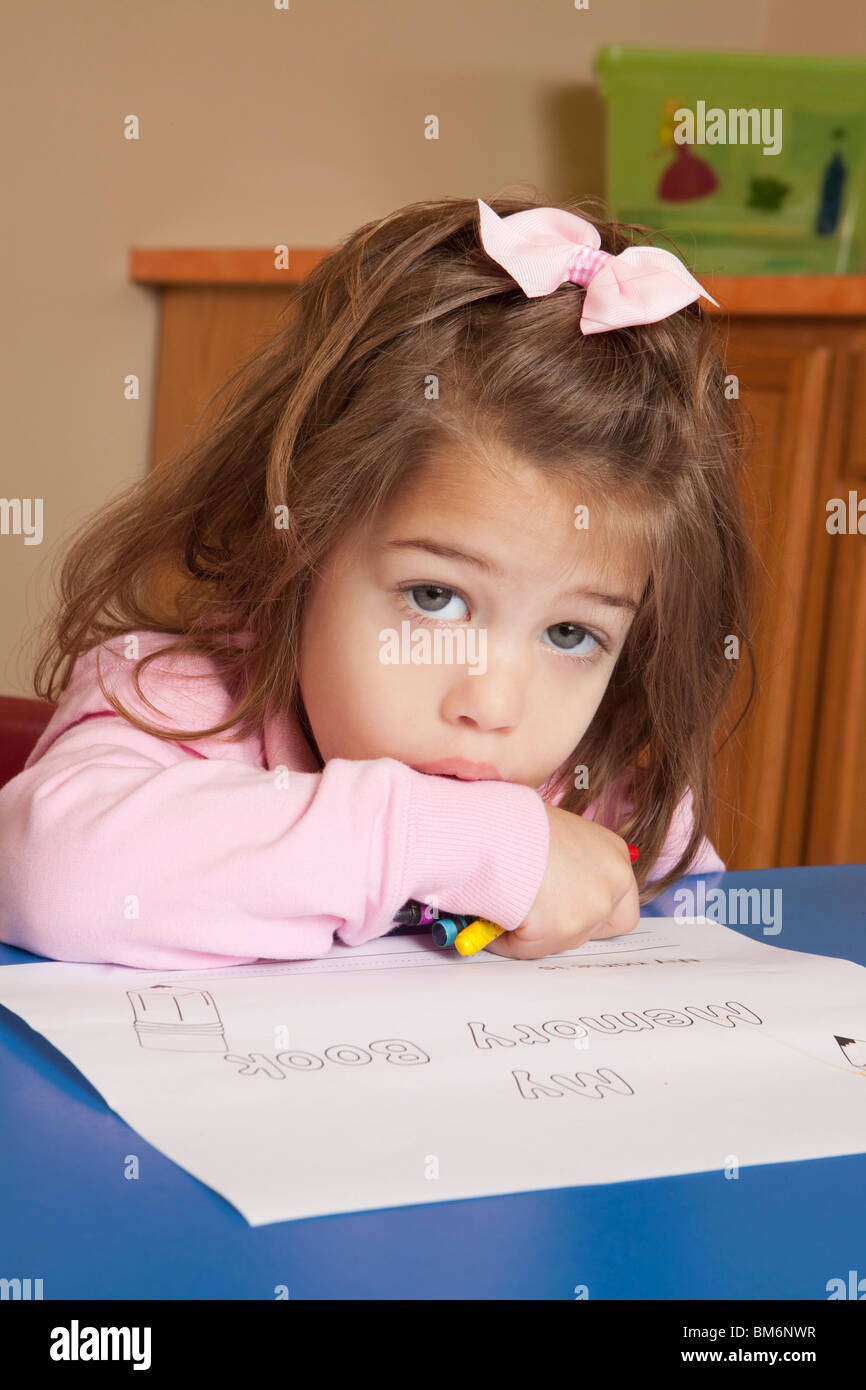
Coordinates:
x,y
116,846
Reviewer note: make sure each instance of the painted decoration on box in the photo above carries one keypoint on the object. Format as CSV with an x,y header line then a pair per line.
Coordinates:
x,y
687,176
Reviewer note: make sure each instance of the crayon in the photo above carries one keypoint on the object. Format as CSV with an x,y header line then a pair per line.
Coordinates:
x,y
447,929
476,935
414,914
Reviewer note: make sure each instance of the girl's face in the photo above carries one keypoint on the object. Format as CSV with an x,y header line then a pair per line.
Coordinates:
x,y
512,651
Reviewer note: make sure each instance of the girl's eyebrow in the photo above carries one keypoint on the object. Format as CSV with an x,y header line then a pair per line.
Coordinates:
x,y
448,552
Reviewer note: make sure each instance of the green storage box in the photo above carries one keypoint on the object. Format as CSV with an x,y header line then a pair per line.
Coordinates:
x,y
729,207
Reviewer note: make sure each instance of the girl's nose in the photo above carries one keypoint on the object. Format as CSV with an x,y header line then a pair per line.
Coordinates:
x,y
492,702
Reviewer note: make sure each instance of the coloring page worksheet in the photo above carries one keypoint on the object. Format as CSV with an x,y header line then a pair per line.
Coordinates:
x,y
397,1073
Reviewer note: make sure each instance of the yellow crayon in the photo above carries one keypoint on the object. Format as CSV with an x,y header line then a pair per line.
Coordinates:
x,y
476,935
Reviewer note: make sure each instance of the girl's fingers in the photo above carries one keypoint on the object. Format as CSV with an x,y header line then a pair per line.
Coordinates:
x,y
518,947
623,918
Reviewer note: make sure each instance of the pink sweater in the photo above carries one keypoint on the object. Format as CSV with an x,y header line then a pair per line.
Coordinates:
x,y
119,847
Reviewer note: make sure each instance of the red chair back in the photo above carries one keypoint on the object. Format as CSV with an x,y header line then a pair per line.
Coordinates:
x,y
21,723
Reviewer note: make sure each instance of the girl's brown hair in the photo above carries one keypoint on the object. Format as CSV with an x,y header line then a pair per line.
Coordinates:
x,y
317,430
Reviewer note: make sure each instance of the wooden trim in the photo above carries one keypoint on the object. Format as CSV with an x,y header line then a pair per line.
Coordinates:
x,y
250,266
786,295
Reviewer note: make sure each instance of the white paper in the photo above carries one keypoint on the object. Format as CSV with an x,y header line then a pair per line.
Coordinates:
x,y
397,1073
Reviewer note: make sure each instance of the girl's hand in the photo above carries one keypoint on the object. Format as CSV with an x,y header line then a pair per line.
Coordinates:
x,y
588,891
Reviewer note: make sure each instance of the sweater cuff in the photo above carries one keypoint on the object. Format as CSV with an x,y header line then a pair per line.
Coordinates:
x,y
479,847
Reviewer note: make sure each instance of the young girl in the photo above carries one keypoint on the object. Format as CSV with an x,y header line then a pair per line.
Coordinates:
x,y
436,607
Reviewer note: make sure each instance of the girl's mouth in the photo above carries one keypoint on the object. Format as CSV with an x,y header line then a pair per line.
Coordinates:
x,y
461,770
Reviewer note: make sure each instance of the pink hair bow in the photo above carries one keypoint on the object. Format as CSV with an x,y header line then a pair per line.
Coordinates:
x,y
544,248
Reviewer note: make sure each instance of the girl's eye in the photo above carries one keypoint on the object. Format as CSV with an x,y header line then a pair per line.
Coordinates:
x,y
434,599
573,638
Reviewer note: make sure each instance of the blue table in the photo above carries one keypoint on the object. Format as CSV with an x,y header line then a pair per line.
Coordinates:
x,y
68,1215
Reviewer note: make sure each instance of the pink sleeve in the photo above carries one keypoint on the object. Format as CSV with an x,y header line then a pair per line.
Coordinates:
x,y
124,848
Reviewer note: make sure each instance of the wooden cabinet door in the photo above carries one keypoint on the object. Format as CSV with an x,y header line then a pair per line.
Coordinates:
x,y
836,823
783,372
205,331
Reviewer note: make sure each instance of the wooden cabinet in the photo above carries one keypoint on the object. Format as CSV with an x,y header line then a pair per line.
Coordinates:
x,y
791,785
836,818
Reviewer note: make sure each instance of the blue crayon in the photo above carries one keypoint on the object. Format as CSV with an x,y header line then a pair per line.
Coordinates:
x,y
444,932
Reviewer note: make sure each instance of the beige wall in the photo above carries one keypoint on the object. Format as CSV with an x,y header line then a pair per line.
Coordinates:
x,y
261,126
